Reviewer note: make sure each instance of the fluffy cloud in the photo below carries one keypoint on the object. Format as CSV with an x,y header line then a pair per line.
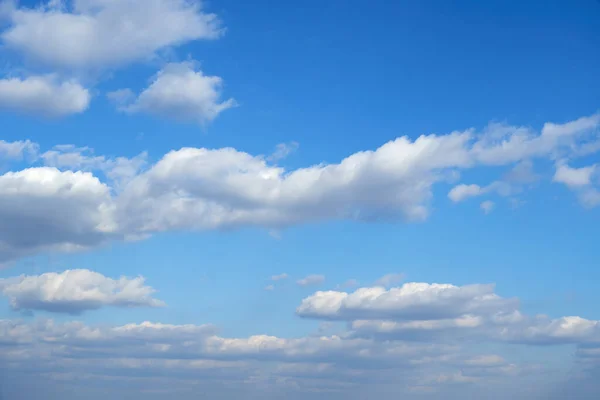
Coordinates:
x,y
59,33
75,291
444,312
574,177
462,192
500,327
43,95
203,189
18,150
502,144
117,170
45,207
178,92
311,280
373,352
412,301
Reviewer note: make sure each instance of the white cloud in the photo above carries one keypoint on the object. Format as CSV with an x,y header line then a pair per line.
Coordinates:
x,y
269,288
118,170
205,189
76,291
18,150
43,95
45,209
412,301
462,192
487,206
59,34
197,352
178,92
502,144
444,313
311,280
574,177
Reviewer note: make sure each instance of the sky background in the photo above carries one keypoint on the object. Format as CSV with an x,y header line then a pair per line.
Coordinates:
x,y
300,87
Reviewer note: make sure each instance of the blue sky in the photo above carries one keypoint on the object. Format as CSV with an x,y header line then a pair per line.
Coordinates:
x,y
334,187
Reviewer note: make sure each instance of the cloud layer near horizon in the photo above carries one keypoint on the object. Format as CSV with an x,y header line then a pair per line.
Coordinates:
x,y
447,325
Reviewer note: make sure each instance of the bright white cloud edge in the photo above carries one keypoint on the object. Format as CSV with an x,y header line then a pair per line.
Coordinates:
x,y
76,291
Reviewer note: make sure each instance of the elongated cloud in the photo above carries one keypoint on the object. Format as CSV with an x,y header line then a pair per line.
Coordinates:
x,y
43,95
81,34
574,177
417,301
206,189
76,291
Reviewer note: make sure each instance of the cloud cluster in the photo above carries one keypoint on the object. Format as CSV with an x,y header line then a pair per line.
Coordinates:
x,y
422,311
372,353
55,37
76,291
79,199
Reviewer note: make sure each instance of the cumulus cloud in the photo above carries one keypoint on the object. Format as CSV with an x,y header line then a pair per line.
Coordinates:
x,y
462,192
179,92
18,150
48,209
43,95
417,301
574,177
76,291
58,34
446,313
373,352
205,189
311,280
